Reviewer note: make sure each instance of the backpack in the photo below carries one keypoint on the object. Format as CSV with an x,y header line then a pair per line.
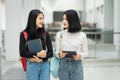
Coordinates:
x,y
24,59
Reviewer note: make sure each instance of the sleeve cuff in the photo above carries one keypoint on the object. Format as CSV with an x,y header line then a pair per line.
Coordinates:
x,y
57,54
83,55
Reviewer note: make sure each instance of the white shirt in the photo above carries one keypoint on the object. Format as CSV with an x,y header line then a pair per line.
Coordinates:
x,y
72,42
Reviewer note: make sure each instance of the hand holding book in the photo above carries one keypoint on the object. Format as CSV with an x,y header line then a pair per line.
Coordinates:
x,y
62,54
36,59
35,46
41,54
77,56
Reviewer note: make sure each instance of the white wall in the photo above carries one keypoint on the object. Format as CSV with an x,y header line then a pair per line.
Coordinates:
x,y
0,45
16,19
99,2
90,4
3,21
93,12
117,25
13,24
108,15
0,25
60,5
116,16
63,5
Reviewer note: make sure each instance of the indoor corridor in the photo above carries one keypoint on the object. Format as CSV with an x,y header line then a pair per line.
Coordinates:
x,y
99,19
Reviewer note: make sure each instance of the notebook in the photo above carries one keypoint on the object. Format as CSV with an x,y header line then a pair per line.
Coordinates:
x,y
70,54
35,45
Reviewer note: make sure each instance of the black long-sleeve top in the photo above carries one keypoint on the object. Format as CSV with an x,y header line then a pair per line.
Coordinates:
x,y
46,43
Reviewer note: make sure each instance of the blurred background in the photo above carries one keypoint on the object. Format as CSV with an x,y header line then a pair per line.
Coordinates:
x,y
100,20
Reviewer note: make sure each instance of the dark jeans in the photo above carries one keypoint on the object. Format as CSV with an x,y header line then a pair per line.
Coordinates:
x,y
70,69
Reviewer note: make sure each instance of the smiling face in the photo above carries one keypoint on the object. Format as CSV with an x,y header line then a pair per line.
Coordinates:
x,y
65,22
40,20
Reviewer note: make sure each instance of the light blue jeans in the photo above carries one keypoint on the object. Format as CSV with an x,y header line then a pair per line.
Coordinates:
x,y
38,71
70,69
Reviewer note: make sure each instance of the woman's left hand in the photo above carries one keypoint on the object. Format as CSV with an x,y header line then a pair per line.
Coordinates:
x,y
77,57
41,54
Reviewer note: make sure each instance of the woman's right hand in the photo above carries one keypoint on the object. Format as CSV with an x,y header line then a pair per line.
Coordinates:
x,y
62,54
41,54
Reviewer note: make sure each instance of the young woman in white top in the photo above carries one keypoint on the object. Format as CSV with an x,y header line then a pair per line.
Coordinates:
x,y
71,47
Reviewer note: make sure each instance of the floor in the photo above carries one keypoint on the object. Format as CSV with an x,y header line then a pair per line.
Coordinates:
x,y
94,69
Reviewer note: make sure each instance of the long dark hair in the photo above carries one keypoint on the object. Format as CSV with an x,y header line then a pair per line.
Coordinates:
x,y
31,24
73,21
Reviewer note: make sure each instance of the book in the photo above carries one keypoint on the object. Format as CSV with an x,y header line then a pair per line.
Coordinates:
x,y
34,45
69,54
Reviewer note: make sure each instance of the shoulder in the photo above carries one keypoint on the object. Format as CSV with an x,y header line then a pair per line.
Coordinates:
x,y
21,33
21,36
83,34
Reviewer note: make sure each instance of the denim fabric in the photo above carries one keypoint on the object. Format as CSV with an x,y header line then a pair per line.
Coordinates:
x,y
38,71
70,69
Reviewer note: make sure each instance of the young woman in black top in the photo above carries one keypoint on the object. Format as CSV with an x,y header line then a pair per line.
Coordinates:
x,y
37,65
